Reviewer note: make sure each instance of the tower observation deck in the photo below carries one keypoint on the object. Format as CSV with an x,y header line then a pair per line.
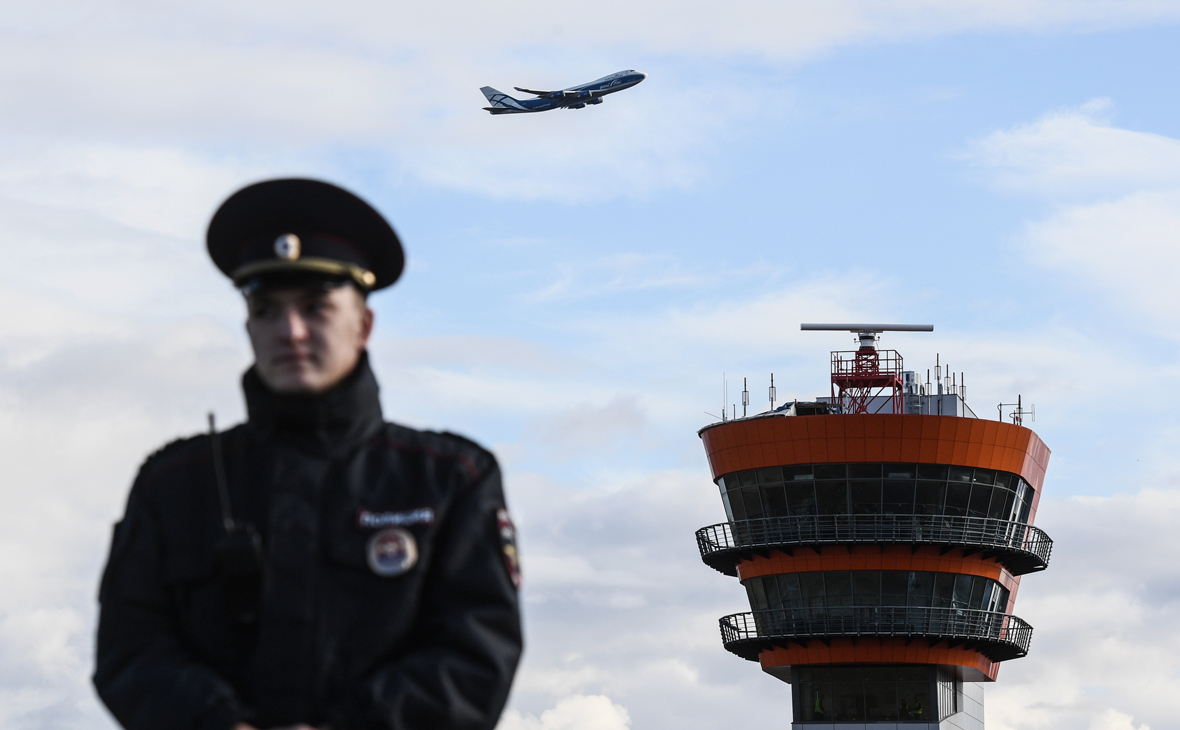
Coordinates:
x,y
880,534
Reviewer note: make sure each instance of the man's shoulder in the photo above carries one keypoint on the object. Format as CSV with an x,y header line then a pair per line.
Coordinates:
x,y
442,445
183,451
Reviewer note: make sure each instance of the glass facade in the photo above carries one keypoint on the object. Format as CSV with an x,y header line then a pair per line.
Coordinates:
x,y
950,694
833,588
865,694
875,489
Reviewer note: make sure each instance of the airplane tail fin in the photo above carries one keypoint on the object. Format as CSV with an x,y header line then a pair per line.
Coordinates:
x,y
500,102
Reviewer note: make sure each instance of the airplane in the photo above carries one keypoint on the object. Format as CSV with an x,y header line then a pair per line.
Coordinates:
x,y
575,97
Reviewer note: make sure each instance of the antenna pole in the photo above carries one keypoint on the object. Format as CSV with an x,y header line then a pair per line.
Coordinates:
x,y
227,518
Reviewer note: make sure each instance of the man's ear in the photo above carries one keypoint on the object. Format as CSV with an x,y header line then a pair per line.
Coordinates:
x,y
366,323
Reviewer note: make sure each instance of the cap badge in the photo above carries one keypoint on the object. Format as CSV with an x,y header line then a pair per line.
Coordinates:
x,y
287,246
392,552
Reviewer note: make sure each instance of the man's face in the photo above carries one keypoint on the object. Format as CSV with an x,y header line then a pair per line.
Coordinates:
x,y
307,340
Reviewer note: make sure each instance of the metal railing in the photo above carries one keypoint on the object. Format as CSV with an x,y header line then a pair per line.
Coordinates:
x,y
998,636
1021,548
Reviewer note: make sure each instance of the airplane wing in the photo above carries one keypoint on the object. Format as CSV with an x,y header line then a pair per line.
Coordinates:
x,y
531,91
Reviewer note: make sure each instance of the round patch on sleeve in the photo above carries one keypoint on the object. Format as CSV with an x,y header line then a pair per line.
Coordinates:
x,y
392,552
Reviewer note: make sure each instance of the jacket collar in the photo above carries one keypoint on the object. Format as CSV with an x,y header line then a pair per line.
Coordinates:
x,y
329,424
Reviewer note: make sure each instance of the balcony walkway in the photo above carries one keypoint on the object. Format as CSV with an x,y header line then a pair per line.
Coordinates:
x,y
998,636
1019,547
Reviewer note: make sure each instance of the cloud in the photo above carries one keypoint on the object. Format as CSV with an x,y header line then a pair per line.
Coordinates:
x,y
159,189
414,110
1103,646
637,146
79,412
1116,198
1124,248
626,272
1076,152
113,231
579,712
403,85
589,427
1115,720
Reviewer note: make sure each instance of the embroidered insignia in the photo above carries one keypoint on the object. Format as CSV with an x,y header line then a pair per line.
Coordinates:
x,y
367,520
392,552
287,246
508,544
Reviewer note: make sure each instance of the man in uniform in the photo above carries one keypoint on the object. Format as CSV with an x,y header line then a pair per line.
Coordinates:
x,y
314,567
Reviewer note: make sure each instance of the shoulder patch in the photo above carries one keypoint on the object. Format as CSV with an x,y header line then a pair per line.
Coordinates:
x,y
507,532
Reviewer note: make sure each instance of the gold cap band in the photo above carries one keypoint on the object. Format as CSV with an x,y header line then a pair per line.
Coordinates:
x,y
311,264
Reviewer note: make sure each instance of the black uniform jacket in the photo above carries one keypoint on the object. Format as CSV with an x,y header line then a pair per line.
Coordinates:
x,y
334,643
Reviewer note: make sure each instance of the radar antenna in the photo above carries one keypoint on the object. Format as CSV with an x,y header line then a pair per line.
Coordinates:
x,y
862,378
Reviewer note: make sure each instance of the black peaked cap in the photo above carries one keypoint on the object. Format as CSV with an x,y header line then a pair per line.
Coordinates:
x,y
336,234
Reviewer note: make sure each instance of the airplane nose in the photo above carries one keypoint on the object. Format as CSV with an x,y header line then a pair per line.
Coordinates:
x,y
641,76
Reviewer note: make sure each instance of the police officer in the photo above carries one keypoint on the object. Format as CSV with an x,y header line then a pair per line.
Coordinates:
x,y
314,566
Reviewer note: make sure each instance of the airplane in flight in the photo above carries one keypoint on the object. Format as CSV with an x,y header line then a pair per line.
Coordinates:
x,y
575,97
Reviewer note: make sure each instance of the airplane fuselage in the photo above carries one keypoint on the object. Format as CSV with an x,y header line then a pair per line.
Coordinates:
x,y
574,97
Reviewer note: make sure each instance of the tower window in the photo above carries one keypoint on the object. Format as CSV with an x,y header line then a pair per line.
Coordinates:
x,y
874,489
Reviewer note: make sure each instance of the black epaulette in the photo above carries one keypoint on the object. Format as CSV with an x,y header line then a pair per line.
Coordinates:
x,y
478,454
173,444
463,440
170,452
474,457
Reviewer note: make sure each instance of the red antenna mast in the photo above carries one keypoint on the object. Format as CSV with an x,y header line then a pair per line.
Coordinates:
x,y
867,376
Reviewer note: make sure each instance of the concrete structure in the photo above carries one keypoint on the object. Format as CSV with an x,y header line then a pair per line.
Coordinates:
x,y
881,545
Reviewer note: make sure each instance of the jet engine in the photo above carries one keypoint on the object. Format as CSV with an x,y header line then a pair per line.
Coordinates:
x,y
595,100
579,105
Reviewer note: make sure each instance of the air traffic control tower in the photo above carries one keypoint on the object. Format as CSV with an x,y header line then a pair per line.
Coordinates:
x,y
880,534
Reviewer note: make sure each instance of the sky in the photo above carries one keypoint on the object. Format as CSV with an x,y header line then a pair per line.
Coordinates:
x,y
583,284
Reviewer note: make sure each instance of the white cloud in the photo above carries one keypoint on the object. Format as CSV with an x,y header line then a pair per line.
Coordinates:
x,y
1126,249
1115,720
1104,645
587,427
579,712
1116,194
403,84
630,146
78,414
1076,152
164,190
628,272
790,29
